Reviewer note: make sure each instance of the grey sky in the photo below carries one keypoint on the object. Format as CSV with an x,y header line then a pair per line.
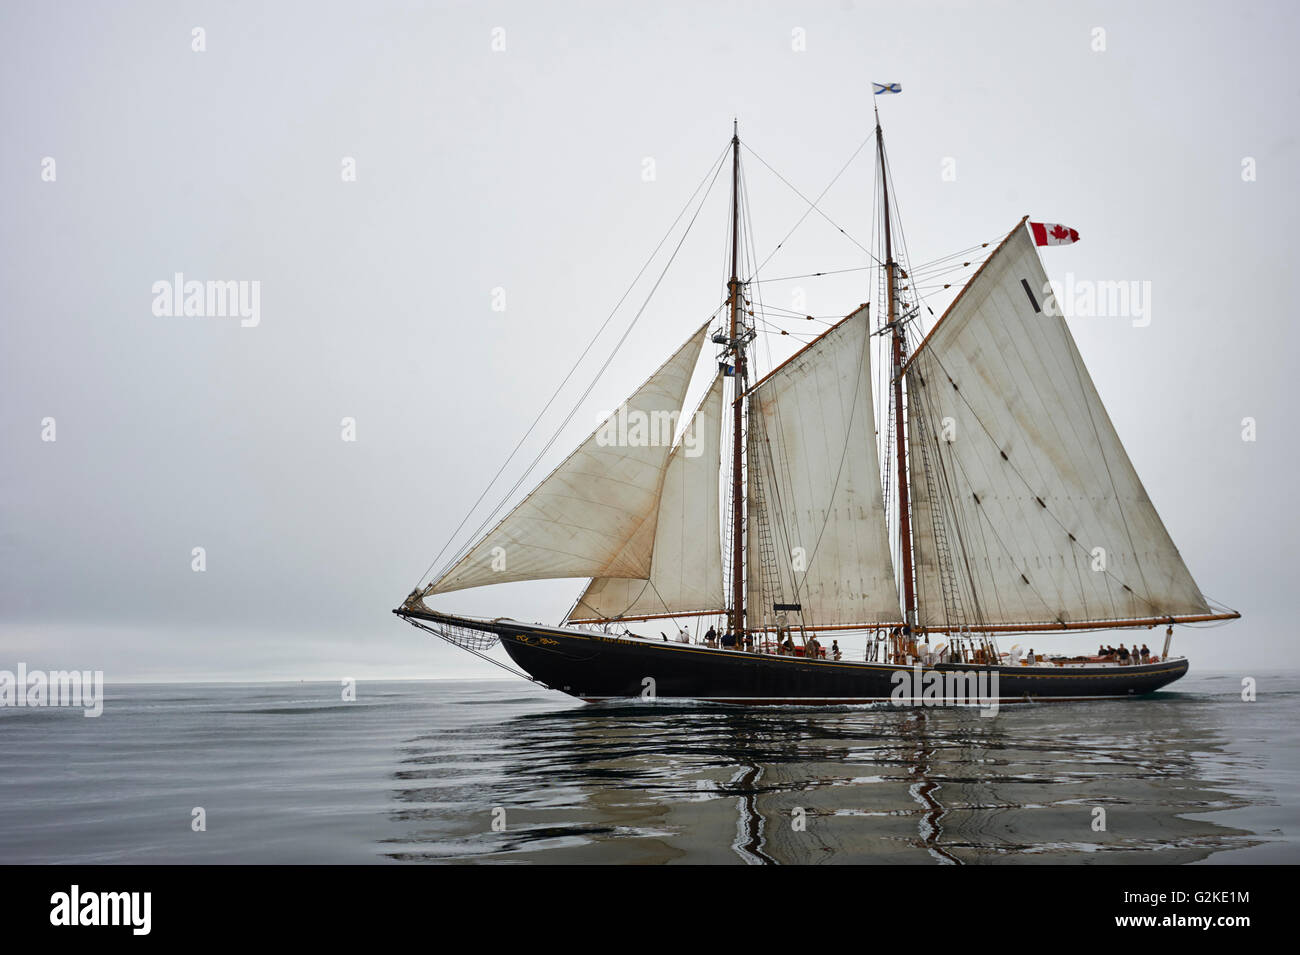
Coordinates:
x,y
522,169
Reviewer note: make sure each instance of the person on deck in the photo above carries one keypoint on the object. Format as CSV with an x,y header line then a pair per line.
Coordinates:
x,y
787,648
1145,653
683,635
1123,655
710,637
1030,658
835,649
728,640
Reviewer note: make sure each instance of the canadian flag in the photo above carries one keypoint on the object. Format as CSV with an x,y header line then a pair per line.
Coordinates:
x,y
1050,233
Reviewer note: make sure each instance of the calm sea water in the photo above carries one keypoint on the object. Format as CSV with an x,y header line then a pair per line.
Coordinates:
x,y
420,772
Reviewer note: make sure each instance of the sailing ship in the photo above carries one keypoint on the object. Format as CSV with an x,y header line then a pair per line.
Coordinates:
x,y
1007,505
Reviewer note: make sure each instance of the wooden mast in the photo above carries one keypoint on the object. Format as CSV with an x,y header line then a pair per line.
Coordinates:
x,y
737,444
900,441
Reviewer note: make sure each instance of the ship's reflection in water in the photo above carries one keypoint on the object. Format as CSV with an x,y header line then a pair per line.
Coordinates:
x,y
1128,781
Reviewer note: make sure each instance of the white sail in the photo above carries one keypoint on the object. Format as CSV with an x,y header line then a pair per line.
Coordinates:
x,y
1026,508
593,516
686,566
816,528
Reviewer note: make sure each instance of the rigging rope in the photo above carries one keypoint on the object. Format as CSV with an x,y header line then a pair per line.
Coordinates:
x,y
618,345
812,204
930,355
478,653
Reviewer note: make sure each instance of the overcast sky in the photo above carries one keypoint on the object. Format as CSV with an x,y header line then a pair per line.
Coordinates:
x,y
524,169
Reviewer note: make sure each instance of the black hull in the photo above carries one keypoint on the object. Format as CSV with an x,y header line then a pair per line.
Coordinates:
x,y
595,667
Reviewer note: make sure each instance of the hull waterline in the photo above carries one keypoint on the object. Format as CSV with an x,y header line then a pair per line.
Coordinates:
x,y
598,667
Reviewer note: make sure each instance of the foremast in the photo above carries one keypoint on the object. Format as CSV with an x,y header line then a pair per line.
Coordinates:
x,y
737,344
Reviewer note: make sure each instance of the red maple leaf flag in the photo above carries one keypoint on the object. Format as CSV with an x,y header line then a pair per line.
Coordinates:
x,y
1050,233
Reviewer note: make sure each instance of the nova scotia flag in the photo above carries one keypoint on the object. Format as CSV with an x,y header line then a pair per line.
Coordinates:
x,y
887,88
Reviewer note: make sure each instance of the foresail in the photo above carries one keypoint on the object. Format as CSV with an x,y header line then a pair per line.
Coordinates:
x,y
686,566
816,523
593,516
1026,508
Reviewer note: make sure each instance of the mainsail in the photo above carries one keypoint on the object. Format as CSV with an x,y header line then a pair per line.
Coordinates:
x,y
594,515
817,537
686,567
1026,508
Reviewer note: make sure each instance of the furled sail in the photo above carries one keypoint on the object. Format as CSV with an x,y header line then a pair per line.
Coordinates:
x,y
1026,508
686,566
816,515
593,516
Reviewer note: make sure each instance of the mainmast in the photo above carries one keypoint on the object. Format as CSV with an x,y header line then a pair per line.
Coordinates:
x,y
737,444
900,440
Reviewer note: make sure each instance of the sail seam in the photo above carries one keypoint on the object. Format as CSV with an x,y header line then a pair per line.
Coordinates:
x,y
460,561
1029,487
1119,504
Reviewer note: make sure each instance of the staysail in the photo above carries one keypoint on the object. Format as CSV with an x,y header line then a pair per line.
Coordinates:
x,y
1026,507
817,537
593,516
686,566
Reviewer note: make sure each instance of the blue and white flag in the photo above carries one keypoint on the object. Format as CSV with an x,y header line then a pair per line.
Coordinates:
x,y
887,88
